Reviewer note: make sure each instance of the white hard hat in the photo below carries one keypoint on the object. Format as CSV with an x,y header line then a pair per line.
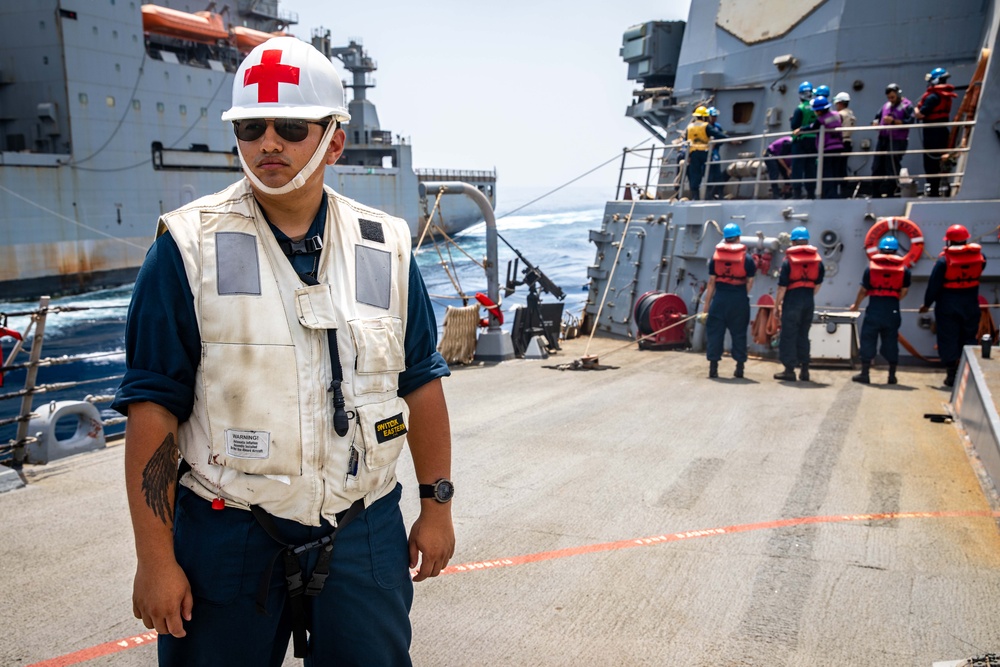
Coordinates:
x,y
841,97
286,78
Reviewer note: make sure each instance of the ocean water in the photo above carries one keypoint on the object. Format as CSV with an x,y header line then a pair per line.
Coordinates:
x,y
551,233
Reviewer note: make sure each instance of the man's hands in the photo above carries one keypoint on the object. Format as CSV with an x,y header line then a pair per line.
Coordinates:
x,y
432,539
161,597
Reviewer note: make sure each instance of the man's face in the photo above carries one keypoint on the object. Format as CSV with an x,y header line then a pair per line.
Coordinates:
x,y
277,149
893,97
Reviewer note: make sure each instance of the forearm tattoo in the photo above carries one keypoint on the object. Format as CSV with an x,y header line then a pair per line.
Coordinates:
x,y
159,476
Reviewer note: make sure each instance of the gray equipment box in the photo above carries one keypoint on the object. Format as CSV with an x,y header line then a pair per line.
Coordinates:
x,y
834,336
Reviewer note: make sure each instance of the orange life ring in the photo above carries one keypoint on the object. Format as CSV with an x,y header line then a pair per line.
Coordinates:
x,y
493,309
896,224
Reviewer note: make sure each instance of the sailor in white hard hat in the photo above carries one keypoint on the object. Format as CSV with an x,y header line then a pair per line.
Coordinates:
x,y
281,344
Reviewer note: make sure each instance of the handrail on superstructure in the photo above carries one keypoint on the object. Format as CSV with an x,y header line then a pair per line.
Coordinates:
x,y
668,182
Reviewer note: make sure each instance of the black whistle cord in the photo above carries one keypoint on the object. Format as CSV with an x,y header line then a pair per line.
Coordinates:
x,y
341,424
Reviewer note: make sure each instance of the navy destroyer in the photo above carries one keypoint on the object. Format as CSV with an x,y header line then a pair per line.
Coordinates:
x,y
109,116
748,60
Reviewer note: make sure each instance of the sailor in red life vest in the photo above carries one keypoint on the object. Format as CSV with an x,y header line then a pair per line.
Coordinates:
x,y
731,272
954,287
798,281
935,107
885,282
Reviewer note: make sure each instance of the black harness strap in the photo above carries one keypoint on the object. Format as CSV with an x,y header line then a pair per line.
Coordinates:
x,y
293,571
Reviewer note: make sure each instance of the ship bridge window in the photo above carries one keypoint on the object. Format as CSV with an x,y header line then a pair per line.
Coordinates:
x,y
742,112
204,112
184,109
83,99
160,107
67,14
94,30
109,100
136,104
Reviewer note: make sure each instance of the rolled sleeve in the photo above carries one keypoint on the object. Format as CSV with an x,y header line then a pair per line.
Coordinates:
x,y
162,341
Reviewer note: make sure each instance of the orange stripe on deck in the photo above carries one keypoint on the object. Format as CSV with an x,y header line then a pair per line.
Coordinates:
x,y
150,637
98,651
709,532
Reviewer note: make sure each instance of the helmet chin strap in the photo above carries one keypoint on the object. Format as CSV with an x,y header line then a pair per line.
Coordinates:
x,y
300,178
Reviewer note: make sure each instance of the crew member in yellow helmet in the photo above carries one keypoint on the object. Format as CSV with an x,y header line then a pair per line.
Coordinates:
x,y
698,134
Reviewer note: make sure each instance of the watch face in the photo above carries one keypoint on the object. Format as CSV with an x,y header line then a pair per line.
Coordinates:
x,y
444,490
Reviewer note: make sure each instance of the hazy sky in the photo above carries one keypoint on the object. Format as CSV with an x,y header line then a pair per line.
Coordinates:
x,y
534,88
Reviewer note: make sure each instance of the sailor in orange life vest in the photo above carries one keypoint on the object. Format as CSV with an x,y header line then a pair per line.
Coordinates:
x,y
935,107
954,287
727,302
798,281
885,282
281,343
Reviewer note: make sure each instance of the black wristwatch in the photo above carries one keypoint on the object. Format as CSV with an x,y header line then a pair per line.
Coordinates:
x,y
441,490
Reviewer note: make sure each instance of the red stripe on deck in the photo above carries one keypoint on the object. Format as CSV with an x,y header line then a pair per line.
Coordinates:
x,y
709,532
98,651
150,637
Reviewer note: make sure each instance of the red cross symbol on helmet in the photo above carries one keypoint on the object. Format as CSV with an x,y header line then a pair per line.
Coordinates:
x,y
268,74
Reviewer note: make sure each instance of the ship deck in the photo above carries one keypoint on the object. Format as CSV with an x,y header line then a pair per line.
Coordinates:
x,y
638,515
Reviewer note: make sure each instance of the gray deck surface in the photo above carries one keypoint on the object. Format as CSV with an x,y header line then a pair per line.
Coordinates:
x,y
548,460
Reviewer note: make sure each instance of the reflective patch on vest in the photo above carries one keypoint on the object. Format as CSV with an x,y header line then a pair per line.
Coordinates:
x,y
371,230
238,270
248,444
389,428
373,276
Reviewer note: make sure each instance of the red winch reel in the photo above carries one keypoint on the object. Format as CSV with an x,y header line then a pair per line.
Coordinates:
x,y
653,312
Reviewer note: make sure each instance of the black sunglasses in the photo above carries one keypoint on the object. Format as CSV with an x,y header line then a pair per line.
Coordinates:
x,y
289,129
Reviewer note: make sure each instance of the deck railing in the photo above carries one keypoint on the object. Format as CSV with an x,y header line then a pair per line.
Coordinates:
x,y
659,172
12,450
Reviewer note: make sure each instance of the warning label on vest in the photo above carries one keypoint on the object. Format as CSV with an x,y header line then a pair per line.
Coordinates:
x,y
248,444
390,428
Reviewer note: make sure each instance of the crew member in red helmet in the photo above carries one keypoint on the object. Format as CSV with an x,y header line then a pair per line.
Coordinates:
x,y
954,287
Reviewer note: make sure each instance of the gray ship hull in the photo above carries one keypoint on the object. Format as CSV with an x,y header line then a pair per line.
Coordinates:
x,y
750,66
105,128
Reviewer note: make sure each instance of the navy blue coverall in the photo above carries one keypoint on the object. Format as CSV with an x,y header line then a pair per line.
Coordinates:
x,y
729,310
796,318
882,320
956,312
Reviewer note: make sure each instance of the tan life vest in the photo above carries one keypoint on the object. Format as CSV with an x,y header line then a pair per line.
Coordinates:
x,y
261,431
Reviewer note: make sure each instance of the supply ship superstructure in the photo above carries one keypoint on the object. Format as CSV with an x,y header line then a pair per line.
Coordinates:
x,y
747,60
110,115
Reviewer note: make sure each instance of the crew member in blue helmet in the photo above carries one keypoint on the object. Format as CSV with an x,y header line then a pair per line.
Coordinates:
x,y
280,354
716,176
885,282
953,290
731,272
803,145
798,281
935,107
833,144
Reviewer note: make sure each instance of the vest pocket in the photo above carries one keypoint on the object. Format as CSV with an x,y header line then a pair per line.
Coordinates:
x,y
380,356
383,431
254,426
